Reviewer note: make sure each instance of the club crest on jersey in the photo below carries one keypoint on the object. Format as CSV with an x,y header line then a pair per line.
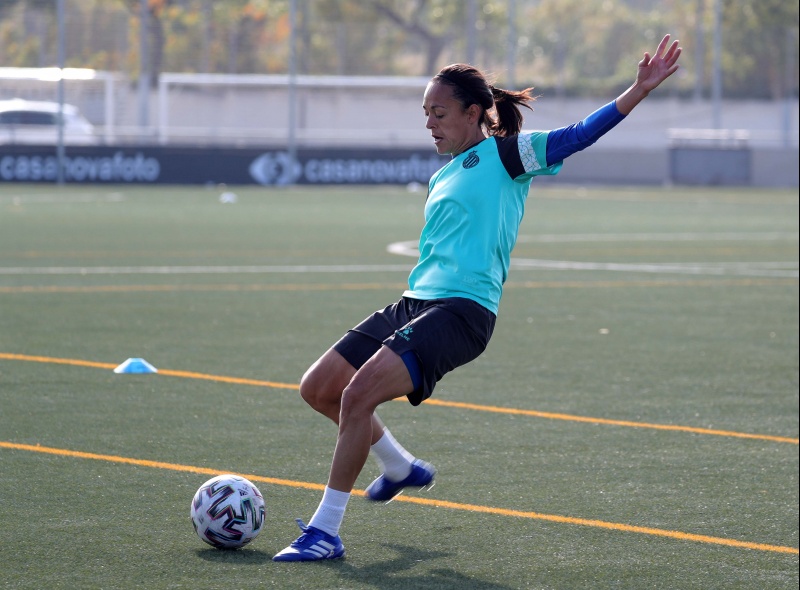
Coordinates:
x,y
471,160
405,333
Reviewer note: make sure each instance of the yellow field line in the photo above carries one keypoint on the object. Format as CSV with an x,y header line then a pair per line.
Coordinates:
x,y
232,287
168,372
55,361
432,402
600,524
573,418
416,500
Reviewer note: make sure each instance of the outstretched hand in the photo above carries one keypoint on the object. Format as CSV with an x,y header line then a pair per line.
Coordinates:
x,y
654,70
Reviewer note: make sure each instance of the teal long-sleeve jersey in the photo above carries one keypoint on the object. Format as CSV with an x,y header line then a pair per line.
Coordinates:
x,y
472,215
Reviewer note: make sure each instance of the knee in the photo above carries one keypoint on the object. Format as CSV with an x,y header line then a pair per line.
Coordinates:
x,y
313,390
355,402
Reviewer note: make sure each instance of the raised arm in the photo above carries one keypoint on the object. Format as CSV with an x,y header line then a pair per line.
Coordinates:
x,y
652,72
563,142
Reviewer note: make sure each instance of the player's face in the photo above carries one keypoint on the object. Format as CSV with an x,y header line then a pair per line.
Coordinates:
x,y
453,129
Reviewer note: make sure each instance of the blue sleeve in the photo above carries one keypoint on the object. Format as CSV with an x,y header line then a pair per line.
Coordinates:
x,y
563,142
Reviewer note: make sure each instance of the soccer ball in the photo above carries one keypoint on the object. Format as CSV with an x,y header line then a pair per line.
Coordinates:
x,y
227,511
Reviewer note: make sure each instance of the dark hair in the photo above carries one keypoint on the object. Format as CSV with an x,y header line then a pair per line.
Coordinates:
x,y
470,86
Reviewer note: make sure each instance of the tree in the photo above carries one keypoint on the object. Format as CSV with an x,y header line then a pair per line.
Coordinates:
x,y
588,48
768,29
6,6
17,47
155,34
575,47
414,19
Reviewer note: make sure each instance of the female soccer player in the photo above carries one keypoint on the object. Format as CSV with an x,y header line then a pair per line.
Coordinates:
x,y
446,317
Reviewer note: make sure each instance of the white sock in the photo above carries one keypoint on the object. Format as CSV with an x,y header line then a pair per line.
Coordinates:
x,y
330,512
393,459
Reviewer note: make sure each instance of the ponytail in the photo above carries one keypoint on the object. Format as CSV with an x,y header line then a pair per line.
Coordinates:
x,y
506,105
501,114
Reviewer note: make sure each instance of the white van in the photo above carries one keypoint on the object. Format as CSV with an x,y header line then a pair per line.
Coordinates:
x,y
36,122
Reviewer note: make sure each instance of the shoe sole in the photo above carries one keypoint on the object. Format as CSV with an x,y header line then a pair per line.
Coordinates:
x,y
312,559
424,488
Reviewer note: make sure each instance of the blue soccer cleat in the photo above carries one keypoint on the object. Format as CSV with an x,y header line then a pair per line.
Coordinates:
x,y
383,490
312,545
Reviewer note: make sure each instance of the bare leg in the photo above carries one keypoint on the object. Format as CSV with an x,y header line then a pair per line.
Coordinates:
x,y
384,377
324,383
331,384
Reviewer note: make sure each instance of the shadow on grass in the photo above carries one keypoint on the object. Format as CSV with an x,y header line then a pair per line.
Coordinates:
x,y
391,574
395,574
235,556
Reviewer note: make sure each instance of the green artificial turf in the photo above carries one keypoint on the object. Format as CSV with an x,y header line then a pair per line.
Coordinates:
x,y
631,425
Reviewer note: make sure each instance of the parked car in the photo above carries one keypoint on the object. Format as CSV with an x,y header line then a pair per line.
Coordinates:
x,y
36,122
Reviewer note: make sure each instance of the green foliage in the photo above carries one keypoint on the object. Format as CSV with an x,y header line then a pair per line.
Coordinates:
x,y
18,48
768,31
570,47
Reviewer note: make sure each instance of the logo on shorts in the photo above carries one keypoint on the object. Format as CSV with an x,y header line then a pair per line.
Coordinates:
x,y
405,333
471,160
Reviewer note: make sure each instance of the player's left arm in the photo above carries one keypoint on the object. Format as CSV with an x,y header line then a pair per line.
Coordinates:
x,y
652,72
563,142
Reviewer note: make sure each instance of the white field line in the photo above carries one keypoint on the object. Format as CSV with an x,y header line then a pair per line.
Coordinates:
x,y
758,269
750,269
177,270
409,248
664,237
58,198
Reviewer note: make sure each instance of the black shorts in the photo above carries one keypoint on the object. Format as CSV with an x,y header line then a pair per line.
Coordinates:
x,y
442,333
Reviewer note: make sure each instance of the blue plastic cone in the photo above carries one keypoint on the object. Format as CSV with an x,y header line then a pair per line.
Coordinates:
x,y
136,366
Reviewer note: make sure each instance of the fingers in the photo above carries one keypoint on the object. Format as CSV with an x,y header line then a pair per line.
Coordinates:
x,y
669,55
662,45
673,54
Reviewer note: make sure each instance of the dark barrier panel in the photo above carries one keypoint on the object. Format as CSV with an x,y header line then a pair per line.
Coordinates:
x,y
235,166
710,166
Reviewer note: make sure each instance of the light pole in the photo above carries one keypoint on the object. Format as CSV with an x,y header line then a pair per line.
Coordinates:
x,y
61,59
716,81
144,70
292,92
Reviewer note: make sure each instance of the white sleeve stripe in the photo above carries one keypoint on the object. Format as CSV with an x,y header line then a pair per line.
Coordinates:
x,y
526,153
